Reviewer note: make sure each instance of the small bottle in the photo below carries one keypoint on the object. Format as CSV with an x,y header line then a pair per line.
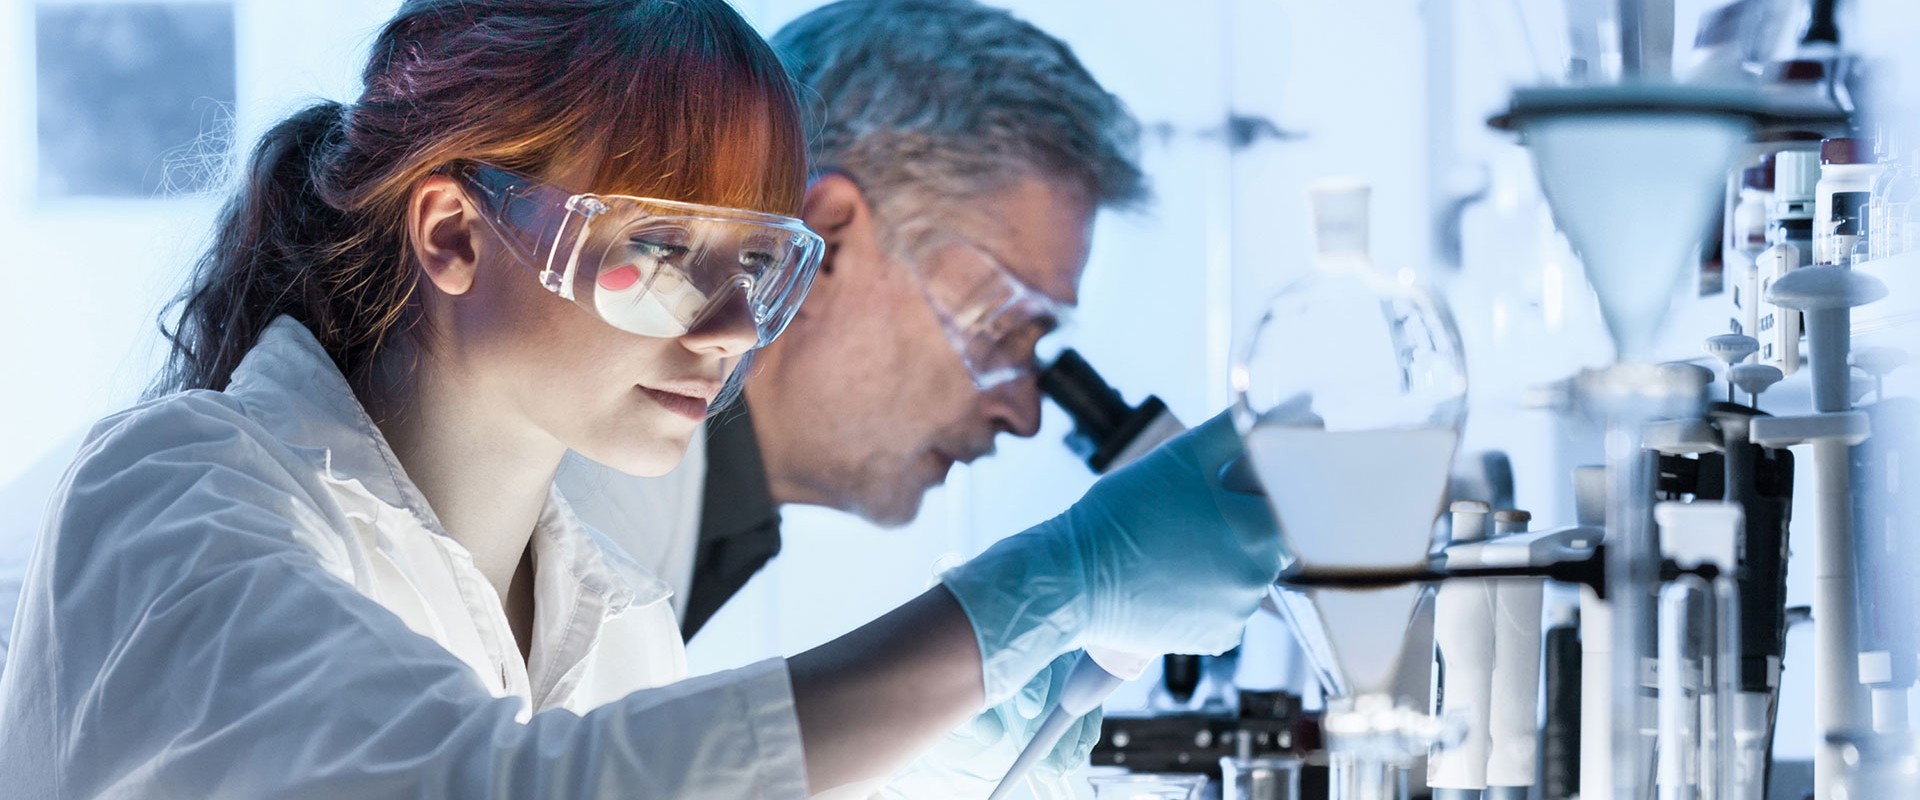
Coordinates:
x,y
1747,237
1906,217
1894,192
1845,187
1790,233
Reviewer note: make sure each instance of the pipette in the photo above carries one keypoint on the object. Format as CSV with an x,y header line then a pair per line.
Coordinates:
x,y
1087,686
1109,434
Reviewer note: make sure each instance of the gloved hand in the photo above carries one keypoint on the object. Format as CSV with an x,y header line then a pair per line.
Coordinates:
x,y
970,761
1156,558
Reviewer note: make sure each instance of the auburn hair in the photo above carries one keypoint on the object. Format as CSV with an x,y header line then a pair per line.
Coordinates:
x,y
677,99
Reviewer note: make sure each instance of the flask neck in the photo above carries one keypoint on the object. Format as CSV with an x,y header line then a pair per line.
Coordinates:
x,y
1340,224
1342,261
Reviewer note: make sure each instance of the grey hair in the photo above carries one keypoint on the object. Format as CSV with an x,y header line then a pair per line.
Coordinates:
x,y
931,105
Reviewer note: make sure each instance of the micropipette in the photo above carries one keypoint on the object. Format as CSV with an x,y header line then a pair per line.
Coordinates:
x,y
1087,686
1109,434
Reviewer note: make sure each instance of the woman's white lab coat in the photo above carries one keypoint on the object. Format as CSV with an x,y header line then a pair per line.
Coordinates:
x,y
240,594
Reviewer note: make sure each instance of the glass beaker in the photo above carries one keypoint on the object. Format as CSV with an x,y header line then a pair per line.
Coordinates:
x,y
1259,778
1147,786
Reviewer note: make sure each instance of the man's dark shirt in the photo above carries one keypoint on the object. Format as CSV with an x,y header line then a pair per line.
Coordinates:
x,y
739,522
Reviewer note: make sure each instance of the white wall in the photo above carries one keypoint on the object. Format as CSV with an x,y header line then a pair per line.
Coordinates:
x,y
85,280
88,354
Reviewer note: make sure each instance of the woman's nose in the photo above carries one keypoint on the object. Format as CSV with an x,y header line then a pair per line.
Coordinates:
x,y
727,330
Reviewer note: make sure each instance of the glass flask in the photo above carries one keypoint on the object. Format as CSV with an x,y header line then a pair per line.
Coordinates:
x,y
1351,394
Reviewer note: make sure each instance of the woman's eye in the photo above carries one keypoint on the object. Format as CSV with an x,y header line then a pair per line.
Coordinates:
x,y
659,251
756,261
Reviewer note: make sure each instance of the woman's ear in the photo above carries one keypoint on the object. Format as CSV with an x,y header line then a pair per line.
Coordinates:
x,y
441,225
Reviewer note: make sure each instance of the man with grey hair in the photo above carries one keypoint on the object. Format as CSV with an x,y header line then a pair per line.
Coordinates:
x,y
959,156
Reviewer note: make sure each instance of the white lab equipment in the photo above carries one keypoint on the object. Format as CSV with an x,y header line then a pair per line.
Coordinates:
x,y
1731,349
1464,654
1754,379
1790,233
1674,143
1353,439
1747,238
1513,731
1841,198
1699,652
1894,192
1826,294
1497,687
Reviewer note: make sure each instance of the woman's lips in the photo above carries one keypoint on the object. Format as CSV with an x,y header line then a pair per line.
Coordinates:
x,y
693,408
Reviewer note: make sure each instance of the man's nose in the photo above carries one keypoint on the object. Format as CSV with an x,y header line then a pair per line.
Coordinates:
x,y
1014,406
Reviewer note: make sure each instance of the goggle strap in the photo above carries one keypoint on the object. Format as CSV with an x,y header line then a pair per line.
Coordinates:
x,y
573,257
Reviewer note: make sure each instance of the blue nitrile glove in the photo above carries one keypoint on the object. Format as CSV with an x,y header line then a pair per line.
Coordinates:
x,y
970,761
1156,558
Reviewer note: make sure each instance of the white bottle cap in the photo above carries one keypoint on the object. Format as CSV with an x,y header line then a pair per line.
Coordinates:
x,y
1469,520
1511,521
1340,214
1795,173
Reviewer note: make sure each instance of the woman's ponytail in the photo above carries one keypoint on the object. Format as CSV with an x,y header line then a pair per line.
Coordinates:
x,y
260,264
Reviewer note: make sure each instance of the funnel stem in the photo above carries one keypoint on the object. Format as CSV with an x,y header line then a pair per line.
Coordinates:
x,y
1365,778
1633,569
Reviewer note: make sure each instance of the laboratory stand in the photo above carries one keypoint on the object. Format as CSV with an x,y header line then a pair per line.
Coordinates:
x,y
1749,228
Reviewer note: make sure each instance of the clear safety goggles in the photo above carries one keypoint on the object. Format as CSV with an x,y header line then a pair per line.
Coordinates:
x,y
658,268
992,318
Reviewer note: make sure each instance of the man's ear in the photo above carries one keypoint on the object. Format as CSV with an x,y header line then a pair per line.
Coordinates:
x,y
441,224
836,209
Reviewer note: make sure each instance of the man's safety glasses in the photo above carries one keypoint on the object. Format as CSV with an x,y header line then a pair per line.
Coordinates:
x,y
658,268
992,318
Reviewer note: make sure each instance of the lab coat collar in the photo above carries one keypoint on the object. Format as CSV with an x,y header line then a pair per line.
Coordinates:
x,y
296,391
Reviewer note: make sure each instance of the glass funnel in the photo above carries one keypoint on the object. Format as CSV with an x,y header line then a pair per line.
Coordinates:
x,y
1633,173
1350,398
